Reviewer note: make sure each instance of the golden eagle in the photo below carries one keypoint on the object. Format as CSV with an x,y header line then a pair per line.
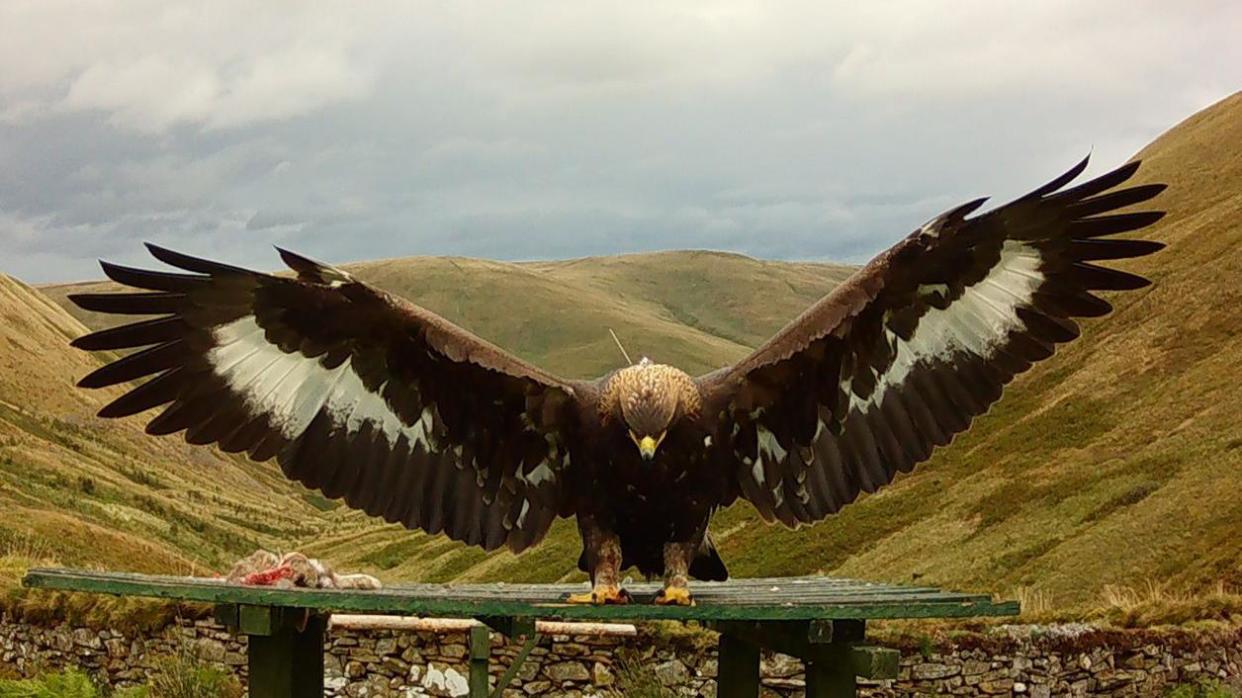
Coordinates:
x,y
408,417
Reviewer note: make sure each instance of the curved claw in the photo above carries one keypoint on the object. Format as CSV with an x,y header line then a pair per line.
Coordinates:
x,y
603,596
674,596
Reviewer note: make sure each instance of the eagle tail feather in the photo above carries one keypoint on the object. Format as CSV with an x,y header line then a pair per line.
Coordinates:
x,y
707,565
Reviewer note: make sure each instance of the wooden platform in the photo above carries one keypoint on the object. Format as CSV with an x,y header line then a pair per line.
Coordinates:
x,y
819,619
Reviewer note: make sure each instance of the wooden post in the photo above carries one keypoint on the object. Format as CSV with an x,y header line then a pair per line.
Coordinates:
x,y
737,674
288,661
830,672
480,652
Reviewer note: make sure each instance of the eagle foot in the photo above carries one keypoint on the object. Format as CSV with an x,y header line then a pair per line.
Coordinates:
x,y
603,596
674,596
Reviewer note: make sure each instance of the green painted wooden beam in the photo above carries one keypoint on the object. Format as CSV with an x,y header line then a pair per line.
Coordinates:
x,y
257,620
796,598
830,673
796,638
288,663
875,662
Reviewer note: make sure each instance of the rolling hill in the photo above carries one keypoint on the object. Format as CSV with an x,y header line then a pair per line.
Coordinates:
x,y
1118,462
78,489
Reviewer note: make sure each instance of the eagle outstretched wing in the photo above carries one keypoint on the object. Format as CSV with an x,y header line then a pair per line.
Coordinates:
x,y
355,393
920,341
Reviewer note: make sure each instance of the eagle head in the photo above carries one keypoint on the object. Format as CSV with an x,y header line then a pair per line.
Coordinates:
x,y
648,398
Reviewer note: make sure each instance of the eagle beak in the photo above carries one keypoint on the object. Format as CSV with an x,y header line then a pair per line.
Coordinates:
x,y
647,447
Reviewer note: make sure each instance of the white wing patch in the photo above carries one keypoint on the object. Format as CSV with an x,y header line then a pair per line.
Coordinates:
x,y
769,447
539,475
977,322
292,388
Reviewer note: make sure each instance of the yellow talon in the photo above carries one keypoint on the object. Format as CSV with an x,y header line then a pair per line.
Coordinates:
x,y
674,596
609,596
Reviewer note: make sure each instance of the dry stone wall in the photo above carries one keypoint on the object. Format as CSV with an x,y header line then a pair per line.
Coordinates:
x,y
1035,661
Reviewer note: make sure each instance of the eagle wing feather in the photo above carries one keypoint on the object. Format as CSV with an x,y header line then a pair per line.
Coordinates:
x,y
916,344
358,394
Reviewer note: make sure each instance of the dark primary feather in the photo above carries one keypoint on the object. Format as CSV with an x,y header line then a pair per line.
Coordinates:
x,y
129,303
908,351
364,397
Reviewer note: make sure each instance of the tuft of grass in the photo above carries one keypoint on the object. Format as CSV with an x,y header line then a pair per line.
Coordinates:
x,y
183,676
1208,688
927,646
178,676
123,614
635,679
1157,604
1033,601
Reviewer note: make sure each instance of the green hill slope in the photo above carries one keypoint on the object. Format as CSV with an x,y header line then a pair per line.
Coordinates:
x,y
1119,461
88,492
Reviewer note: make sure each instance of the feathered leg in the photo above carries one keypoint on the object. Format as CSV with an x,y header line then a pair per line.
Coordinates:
x,y
677,558
603,557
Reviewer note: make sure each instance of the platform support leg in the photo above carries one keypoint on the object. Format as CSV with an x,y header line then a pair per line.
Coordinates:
x,y
480,653
737,675
288,662
830,673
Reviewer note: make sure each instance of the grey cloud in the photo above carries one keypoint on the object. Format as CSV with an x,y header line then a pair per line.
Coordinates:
x,y
265,220
805,130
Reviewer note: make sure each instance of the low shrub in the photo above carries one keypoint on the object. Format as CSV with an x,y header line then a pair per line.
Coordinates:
x,y
70,683
635,679
178,676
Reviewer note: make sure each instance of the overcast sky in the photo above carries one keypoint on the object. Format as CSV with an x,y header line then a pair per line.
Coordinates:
x,y
531,130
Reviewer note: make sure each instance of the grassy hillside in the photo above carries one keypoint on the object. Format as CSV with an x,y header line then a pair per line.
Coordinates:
x,y
1118,462
87,492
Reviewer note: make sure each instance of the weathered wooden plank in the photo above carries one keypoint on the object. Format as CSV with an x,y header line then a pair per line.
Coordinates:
x,y
793,586
797,599
463,625
801,639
